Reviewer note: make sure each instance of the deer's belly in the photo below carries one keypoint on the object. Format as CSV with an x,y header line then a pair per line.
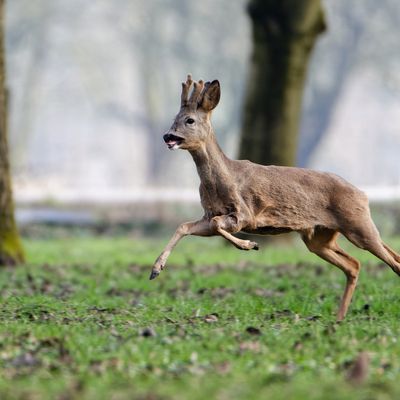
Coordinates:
x,y
268,230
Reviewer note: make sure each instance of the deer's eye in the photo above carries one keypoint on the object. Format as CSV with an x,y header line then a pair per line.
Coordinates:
x,y
190,121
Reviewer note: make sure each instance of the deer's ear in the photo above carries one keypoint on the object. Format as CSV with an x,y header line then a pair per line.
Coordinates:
x,y
211,96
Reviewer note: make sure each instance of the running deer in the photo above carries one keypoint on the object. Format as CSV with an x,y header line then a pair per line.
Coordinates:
x,y
240,196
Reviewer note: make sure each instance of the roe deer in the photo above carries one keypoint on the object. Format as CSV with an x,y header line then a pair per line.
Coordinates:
x,y
240,196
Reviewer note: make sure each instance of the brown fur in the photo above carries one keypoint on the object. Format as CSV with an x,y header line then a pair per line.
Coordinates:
x,y
240,196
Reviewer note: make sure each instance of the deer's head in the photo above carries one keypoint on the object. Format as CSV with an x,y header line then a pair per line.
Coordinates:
x,y
192,125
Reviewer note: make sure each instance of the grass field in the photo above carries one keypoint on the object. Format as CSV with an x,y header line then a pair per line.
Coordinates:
x,y
81,320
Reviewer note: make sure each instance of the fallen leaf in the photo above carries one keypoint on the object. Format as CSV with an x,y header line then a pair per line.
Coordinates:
x,y
254,347
211,318
196,313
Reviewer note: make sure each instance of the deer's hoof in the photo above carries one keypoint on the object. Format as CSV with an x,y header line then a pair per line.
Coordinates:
x,y
248,245
154,274
253,246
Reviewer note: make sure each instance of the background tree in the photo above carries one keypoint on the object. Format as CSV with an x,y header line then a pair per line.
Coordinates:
x,y
284,33
355,46
10,246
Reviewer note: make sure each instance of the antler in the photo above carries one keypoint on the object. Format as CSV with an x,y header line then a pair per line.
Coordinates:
x,y
185,90
196,95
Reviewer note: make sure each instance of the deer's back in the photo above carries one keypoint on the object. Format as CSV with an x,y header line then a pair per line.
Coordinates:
x,y
286,198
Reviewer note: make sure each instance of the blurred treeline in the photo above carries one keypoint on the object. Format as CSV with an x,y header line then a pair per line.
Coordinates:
x,y
93,85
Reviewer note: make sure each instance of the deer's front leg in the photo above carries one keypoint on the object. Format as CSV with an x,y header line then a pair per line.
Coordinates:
x,y
198,228
224,224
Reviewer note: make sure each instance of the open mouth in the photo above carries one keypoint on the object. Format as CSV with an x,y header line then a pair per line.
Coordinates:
x,y
173,142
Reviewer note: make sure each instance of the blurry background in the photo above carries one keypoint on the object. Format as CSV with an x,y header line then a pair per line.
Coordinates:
x,y
93,86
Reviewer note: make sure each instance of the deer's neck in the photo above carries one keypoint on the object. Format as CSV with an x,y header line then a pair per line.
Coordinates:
x,y
212,164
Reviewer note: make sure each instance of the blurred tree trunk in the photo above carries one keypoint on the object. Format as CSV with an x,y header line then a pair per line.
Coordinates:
x,y
10,246
284,33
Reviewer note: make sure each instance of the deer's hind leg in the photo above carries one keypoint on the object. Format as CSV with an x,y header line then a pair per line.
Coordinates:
x,y
367,237
392,252
322,242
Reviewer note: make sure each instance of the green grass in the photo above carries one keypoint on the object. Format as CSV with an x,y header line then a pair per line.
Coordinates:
x,y
82,320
